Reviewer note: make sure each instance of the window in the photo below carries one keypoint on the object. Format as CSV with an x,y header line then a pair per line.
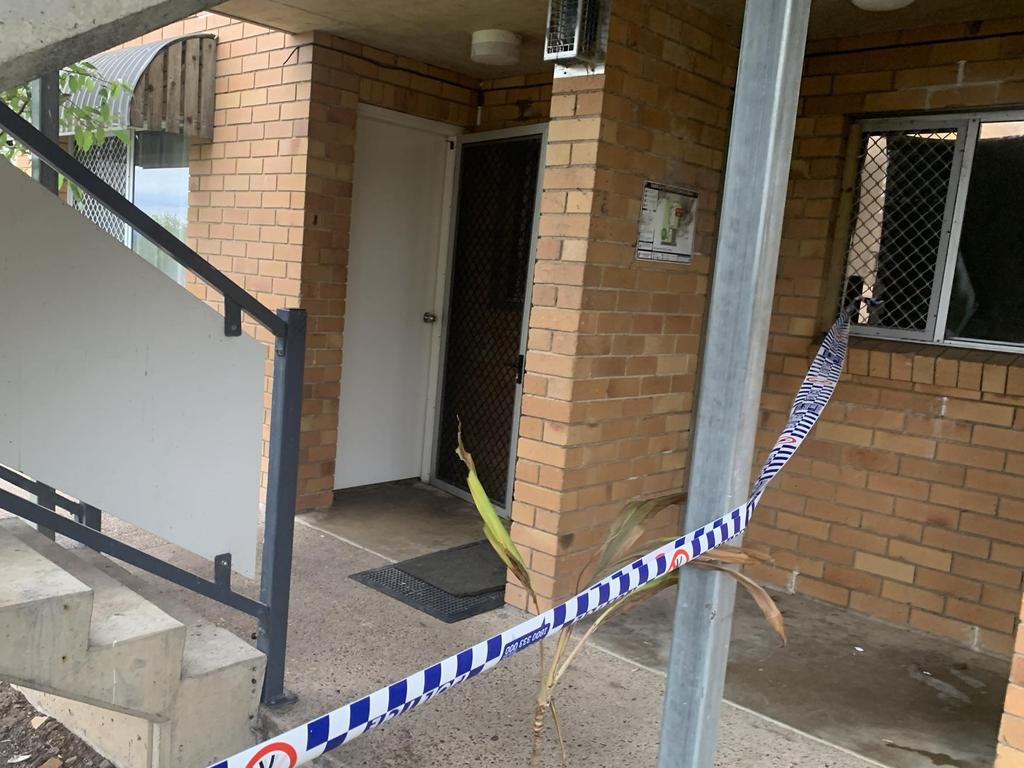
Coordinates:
x,y
152,172
160,189
937,231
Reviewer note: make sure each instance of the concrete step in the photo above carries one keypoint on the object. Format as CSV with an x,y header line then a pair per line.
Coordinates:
x,y
214,712
214,715
44,613
125,654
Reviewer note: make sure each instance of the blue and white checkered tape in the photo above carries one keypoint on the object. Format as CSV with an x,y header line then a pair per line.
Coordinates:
x,y
310,740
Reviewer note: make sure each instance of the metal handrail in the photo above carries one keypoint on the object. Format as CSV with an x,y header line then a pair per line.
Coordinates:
x,y
219,589
52,153
289,328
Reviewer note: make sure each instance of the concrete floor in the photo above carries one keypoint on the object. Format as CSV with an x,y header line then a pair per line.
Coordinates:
x,y
429,519
346,640
900,697
786,705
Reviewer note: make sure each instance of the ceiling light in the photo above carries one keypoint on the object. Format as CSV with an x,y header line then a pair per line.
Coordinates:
x,y
497,47
881,5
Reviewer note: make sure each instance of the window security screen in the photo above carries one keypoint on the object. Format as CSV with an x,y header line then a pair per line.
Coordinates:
x,y
935,231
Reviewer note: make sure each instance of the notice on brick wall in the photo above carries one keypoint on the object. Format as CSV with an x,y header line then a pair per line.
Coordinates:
x,y
667,217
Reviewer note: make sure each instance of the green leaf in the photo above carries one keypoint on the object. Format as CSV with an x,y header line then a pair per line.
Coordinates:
x,y
494,527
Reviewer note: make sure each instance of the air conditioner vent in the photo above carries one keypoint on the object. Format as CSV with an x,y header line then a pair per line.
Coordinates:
x,y
574,31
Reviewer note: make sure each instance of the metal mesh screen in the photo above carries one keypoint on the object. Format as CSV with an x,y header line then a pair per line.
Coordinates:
x,y
109,161
493,239
572,30
897,225
563,29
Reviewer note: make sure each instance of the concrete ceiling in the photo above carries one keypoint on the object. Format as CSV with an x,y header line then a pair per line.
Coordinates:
x,y
837,18
437,32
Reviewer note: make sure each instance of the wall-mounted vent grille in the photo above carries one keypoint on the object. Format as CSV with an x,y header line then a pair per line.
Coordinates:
x,y
574,31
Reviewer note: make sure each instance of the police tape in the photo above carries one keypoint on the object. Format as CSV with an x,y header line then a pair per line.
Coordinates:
x,y
310,740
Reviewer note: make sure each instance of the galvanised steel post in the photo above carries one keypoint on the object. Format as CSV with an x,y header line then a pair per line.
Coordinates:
x,y
45,96
732,364
282,486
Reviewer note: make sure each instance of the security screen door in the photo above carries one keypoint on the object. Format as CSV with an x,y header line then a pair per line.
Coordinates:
x,y
489,288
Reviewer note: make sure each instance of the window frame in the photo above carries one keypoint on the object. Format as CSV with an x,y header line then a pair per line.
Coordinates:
x,y
967,126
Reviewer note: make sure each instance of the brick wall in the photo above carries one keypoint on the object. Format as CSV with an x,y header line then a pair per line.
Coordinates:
x,y
1010,750
613,342
907,502
271,193
513,101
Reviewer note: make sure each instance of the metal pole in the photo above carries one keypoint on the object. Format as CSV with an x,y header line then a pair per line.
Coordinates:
x,y
45,94
282,487
732,365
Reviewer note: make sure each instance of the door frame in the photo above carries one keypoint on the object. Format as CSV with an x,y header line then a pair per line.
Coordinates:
x,y
445,286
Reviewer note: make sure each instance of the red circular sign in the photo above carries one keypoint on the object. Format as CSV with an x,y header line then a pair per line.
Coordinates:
x,y
273,750
680,558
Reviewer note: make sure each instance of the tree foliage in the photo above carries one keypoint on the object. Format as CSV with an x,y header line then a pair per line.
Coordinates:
x,y
88,125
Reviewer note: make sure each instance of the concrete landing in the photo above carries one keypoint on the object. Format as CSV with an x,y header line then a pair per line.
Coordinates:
x,y
346,640
907,699
427,519
898,696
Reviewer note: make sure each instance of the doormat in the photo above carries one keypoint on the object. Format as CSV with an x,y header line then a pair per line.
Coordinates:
x,y
471,569
450,585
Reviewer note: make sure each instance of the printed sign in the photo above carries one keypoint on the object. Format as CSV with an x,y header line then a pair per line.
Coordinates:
x,y
667,216
277,754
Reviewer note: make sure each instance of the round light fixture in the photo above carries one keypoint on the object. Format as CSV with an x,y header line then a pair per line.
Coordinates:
x,y
496,47
881,5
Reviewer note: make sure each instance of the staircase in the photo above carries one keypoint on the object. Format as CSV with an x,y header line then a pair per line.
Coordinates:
x,y
146,686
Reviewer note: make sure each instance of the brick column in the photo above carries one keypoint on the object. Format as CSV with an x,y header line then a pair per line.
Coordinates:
x,y
613,342
1010,750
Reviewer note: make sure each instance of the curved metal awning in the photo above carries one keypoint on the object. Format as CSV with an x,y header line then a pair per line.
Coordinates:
x,y
170,85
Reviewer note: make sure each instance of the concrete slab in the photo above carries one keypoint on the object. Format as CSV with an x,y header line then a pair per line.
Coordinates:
x,y
901,697
428,518
346,640
37,38
941,705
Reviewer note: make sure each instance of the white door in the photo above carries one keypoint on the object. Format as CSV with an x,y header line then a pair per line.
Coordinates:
x,y
398,206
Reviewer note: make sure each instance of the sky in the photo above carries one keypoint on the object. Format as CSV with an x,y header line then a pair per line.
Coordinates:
x,y
162,191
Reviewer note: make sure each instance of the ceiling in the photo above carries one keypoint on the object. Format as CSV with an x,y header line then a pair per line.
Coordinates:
x,y
438,32
836,18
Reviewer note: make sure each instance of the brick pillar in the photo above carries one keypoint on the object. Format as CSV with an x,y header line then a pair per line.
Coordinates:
x,y
612,351
328,202
1010,750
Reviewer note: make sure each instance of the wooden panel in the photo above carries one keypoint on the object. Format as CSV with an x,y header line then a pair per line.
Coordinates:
x,y
137,114
176,92
157,94
207,77
190,86
172,108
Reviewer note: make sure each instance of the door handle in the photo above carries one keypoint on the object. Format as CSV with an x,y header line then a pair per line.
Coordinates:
x,y
429,317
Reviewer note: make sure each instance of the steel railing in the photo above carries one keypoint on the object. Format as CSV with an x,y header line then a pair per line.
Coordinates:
x,y
288,327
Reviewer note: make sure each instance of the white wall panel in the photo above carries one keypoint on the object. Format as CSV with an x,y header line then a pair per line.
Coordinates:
x,y
119,387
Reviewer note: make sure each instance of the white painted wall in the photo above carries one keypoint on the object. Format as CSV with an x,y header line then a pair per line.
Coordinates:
x,y
398,201
119,387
